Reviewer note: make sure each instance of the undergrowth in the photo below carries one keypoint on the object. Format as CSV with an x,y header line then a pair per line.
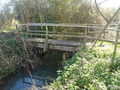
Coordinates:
x,y
89,71
11,54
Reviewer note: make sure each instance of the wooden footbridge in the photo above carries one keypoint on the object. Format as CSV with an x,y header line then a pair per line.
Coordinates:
x,y
65,37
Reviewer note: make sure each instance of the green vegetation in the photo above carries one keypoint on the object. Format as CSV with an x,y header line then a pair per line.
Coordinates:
x,y
11,54
92,70
89,72
7,29
56,11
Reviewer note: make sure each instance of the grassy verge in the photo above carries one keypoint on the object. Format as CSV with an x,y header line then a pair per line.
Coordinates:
x,y
93,71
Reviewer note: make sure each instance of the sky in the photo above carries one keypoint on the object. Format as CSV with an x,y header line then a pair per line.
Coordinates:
x,y
108,3
3,1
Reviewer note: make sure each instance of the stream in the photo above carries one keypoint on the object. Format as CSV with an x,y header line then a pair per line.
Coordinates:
x,y
41,77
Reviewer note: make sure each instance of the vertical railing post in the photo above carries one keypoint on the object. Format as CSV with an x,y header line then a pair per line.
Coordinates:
x,y
64,57
115,46
46,40
54,31
85,36
104,35
17,30
28,33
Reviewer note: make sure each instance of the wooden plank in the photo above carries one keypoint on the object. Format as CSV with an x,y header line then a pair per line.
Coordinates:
x,y
78,43
65,43
70,33
52,35
56,47
63,48
34,34
60,35
68,25
92,32
73,43
101,39
40,45
39,40
38,31
60,42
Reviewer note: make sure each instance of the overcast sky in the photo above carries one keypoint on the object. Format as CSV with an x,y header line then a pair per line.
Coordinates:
x,y
110,3
3,1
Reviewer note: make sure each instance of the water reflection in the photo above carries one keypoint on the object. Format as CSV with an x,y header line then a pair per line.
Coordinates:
x,y
41,77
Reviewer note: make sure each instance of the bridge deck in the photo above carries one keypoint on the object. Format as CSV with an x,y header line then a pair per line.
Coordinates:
x,y
45,31
63,45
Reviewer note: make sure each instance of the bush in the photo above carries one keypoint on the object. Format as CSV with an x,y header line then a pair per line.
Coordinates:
x,y
11,54
92,72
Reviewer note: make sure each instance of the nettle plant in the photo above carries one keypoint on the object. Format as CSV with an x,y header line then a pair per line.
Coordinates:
x,y
93,72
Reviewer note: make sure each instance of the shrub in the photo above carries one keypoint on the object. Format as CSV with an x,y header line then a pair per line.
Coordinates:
x,y
92,72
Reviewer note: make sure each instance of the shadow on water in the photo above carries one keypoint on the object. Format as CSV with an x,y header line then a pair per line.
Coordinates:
x,y
41,77
51,62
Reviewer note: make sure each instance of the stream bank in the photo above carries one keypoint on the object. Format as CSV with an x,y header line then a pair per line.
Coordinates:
x,y
41,77
44,74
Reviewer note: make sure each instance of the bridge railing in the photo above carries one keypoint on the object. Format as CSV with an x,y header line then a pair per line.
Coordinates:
x,y
52,31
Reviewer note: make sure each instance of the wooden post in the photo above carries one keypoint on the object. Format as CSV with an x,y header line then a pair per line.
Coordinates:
x,y
46,40
64,57
41,51
85,34
104,34
17,31
17,28
115,46
103,38
54,31
28,33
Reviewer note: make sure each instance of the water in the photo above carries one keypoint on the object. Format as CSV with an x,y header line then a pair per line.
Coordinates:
x,y
41,77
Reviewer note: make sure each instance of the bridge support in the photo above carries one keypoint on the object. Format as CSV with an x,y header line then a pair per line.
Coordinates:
x,y
46,40
65,56
85,35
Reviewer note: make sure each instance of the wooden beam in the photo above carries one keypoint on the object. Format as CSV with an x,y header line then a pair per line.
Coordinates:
x,y
38,31
115,47
46,40
101,39
68,25
54,31
57,35
70,33
85,34
59,47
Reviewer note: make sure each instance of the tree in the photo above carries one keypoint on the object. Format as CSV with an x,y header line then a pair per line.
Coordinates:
x,y
6,15
57,11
